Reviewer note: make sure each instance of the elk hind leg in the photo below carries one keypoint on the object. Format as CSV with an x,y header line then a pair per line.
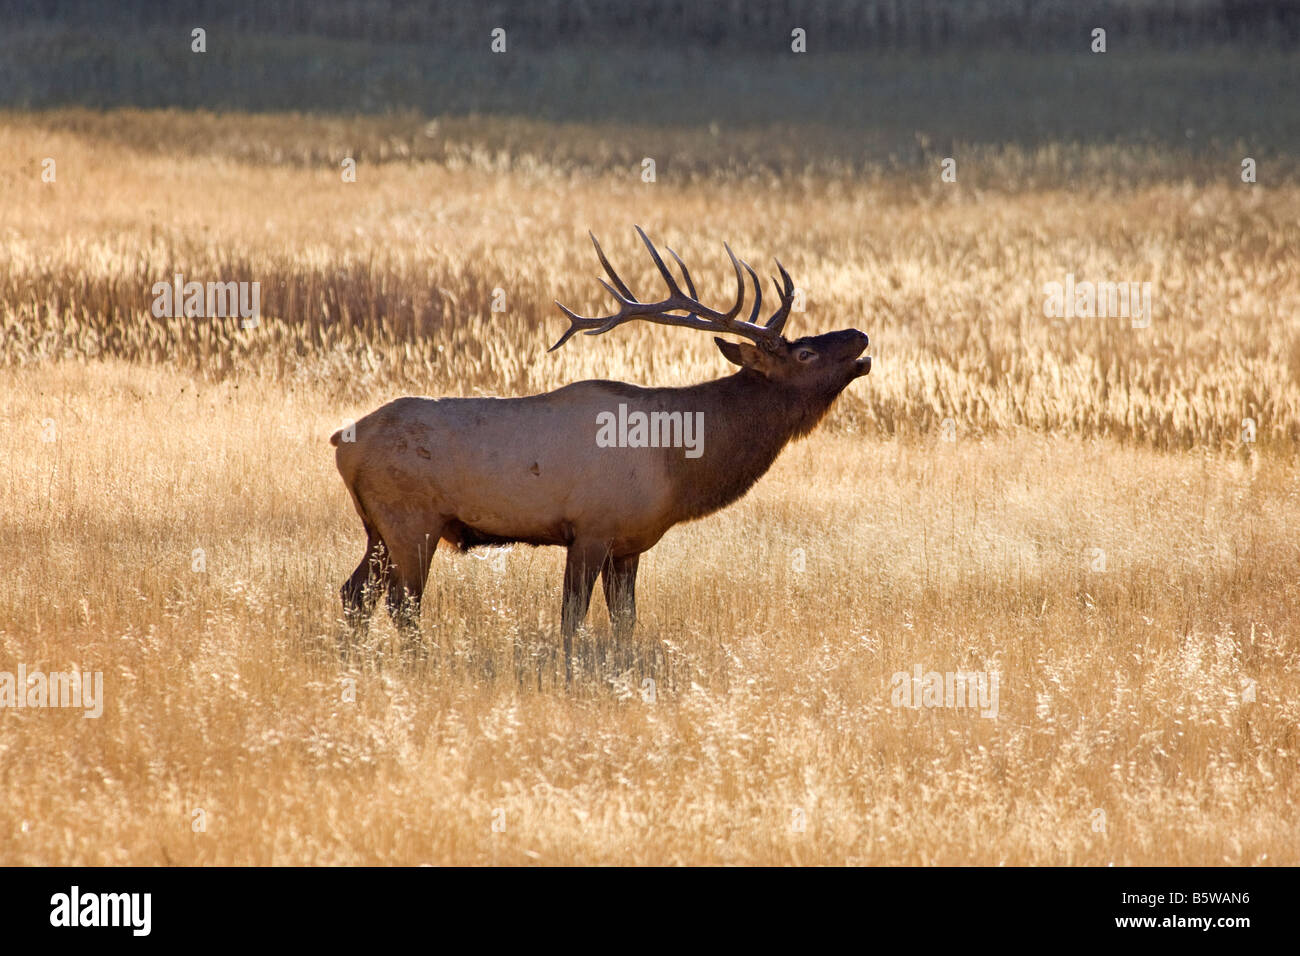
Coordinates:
x,y
361,590
585,559
410,546
618,579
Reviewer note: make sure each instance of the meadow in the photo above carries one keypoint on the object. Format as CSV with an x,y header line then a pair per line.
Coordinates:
x,y
1103,515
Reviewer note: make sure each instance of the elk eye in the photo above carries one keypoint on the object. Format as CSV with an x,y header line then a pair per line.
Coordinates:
x,y
806,355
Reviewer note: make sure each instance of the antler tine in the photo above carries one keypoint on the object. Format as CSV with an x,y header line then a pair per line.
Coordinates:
x,y
576,324
777,322
740,286
609,270
758,294
622,297
686,274
673,290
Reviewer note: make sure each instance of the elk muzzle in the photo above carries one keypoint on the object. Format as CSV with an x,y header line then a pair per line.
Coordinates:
x,y
863,365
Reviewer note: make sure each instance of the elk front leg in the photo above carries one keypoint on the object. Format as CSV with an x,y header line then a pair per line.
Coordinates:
x,y
584,563
618,578
360,591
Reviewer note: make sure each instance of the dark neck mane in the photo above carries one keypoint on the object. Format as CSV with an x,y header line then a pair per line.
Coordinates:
x,y
747,421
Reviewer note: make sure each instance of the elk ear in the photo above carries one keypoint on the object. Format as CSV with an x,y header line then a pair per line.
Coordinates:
x,y
740,353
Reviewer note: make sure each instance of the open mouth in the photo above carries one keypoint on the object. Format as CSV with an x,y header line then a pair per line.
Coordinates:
x,y
863,365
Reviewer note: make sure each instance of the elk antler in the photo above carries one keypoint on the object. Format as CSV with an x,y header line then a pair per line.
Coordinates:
x,y
697,315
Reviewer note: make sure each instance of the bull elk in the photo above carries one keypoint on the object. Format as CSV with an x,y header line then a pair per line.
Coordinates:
x,y
541,470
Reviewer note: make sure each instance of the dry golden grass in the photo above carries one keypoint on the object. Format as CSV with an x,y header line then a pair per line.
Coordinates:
x,y
1127,690
394,274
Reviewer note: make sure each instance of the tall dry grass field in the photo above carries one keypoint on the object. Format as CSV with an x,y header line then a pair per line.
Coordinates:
x,y
1096,533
